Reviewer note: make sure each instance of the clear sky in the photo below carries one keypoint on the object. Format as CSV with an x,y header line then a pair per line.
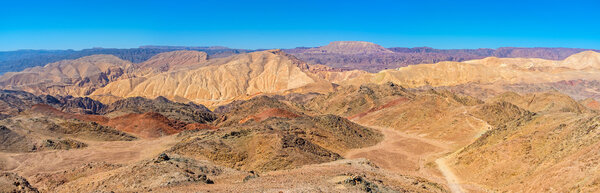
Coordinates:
x,y
287,24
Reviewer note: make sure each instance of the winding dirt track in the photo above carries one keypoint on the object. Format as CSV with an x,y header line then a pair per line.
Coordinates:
x,y
453,182
408,153
403,152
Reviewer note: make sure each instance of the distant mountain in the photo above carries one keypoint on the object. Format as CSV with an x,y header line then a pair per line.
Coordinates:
x,y
373,58
584,65
350,47
183,76
340,54
14,61
67,77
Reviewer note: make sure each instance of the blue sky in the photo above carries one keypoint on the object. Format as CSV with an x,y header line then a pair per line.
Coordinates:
x,y
287,24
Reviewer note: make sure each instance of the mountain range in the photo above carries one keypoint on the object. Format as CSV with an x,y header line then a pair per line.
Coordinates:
x,y
349,55
345,117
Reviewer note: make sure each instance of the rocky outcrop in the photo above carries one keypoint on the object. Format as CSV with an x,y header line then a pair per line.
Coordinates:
x,y
188,113
144,125
13,102
254,136
351,101
498,113
11,182
148,175
15,142
82,105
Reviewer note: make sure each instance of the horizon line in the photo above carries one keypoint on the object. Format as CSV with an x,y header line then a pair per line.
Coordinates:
x,y
226,47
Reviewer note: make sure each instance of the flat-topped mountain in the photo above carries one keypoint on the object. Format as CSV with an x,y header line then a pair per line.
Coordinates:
x,y
350,47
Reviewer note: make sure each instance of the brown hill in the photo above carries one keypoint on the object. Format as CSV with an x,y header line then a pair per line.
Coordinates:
x,y
68,77
11,182
174,171
15,142
188,113
48,110
236,77
395,107
373,58
546,102
16,139
181,174
591,104
578,89
354,101
60,128
499,113
244,111
144,125
485,71
545,152
272,112
147,125
280,138
14,102
587,59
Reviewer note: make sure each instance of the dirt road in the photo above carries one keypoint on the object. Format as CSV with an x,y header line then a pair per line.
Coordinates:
x,y
408,153
453,182
402,152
